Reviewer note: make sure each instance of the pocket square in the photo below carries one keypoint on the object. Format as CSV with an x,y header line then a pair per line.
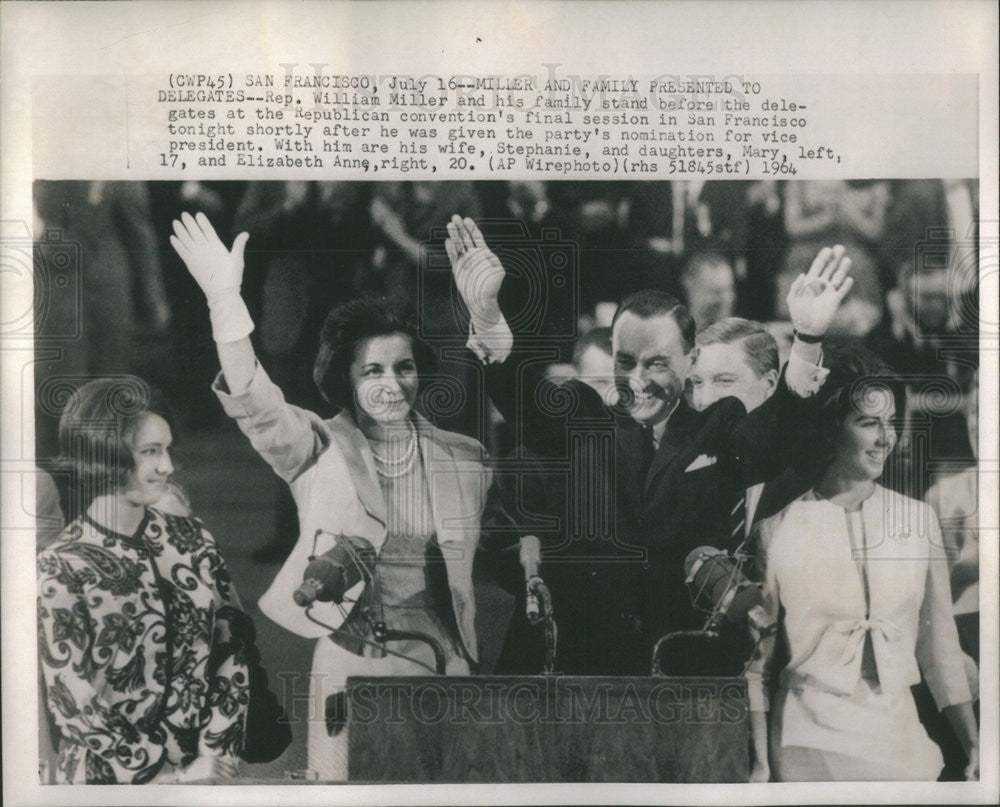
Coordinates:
x,y
703,461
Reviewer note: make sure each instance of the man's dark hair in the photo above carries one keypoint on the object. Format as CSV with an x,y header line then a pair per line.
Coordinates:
x,y
349,324
758,345
651,303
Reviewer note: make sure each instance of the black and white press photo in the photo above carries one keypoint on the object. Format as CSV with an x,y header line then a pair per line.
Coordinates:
x,y
667,464
499,402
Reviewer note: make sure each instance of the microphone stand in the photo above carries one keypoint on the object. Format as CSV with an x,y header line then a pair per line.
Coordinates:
x,y
538,590
395,635
710,631
382,634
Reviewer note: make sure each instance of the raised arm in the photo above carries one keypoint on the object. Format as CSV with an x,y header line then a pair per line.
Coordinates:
x,y
219,273
764,438
478,274
543,411
287,437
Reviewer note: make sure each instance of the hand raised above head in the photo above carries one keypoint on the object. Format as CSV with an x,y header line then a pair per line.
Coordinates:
x,y
477,270
815,296
217,270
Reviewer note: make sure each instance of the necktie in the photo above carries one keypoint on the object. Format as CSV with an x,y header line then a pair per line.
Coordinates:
x,y
737,523
648,450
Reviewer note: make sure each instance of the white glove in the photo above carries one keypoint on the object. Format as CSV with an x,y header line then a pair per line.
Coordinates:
x,y
219,273
477,270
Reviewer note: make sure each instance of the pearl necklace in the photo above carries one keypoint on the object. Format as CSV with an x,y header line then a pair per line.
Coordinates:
x,y
395,468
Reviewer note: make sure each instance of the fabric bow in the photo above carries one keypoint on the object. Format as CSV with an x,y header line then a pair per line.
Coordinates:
x,y
885,636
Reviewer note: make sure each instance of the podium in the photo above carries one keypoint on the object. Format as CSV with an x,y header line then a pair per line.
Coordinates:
x,y
547,729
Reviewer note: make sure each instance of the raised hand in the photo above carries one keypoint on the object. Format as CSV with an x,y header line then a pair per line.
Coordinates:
x,y
219,271
814,297
477,270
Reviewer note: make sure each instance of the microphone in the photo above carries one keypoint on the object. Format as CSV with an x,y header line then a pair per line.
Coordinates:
x,y
530,555
538,599
329,576
720,588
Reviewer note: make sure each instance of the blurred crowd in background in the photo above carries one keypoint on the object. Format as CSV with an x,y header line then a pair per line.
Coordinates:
x,y
724,248
112,296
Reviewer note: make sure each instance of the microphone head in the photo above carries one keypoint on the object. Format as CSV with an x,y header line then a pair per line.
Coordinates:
x,y
697,557
717,583
336,571
307,593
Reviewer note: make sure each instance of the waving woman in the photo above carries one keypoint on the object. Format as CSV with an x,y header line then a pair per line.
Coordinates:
x,y
378,473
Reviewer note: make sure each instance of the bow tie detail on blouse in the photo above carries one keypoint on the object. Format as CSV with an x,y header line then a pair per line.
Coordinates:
x,y
885,639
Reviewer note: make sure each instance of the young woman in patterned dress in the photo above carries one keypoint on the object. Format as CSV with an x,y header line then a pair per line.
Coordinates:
x,y
141,639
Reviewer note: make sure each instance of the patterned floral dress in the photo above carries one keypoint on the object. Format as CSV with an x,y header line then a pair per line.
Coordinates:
x,y
140,648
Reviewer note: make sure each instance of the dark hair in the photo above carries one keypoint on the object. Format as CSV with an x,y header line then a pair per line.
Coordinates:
x,y
855,372
349,324
595,337
758,345
650,303
96,430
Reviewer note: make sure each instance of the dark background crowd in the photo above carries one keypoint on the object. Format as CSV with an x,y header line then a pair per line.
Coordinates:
x,y
112,297
724,248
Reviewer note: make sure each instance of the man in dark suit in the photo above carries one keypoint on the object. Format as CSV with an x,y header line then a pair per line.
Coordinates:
x,y
738,357
647,480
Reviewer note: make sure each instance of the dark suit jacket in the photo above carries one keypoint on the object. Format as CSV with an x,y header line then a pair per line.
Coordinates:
x,y
615,558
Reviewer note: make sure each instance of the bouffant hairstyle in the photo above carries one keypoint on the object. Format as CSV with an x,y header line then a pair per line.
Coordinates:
x,y
650,303
348,325
96,432
857,376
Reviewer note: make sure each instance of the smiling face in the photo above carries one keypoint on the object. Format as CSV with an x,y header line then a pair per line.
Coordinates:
x,y
150,446
721,370
867,436
384,377
651,365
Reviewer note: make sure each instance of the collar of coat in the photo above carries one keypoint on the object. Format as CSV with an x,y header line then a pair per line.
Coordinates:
x,y
437,449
